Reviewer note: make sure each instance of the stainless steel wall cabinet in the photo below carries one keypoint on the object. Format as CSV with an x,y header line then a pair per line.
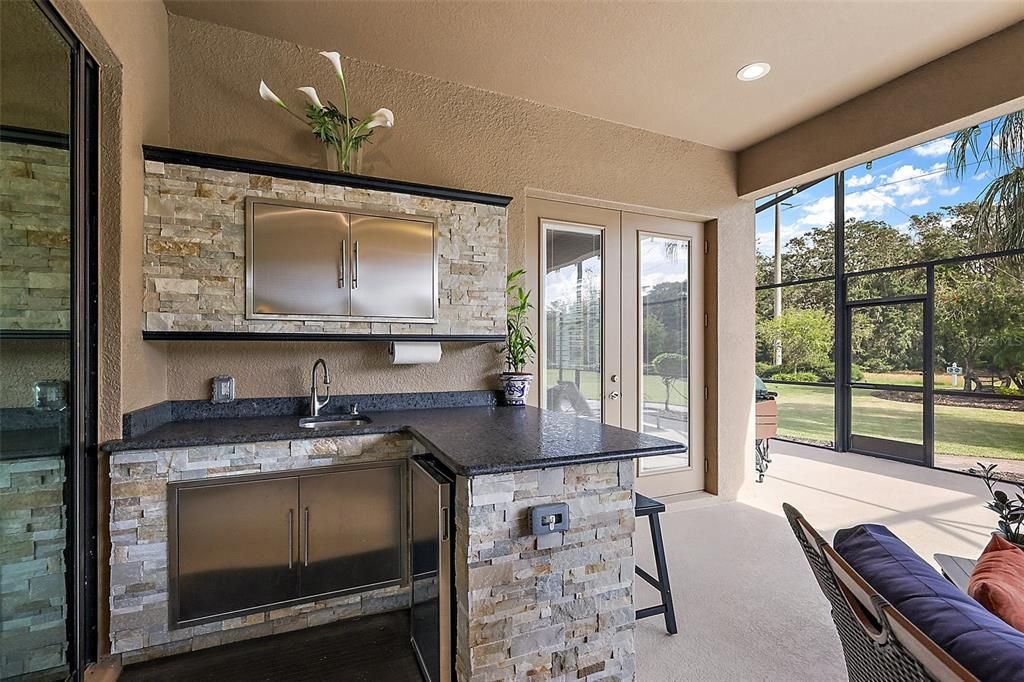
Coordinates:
x,y
318,262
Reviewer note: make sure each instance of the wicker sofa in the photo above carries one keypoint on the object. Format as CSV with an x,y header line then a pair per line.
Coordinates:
x,y
940,633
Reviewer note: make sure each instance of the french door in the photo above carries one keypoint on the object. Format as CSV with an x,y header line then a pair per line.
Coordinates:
x,y
620,322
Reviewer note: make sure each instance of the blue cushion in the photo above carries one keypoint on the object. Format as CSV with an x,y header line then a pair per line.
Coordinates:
x,y
981,642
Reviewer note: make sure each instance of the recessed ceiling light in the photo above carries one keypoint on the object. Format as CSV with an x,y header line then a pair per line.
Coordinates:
x,y
751,72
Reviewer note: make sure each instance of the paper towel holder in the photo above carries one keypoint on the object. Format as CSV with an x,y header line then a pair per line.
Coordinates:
x,y
414,352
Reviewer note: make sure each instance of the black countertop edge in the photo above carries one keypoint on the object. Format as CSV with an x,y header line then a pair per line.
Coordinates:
x,y
289,172
13,334
306,336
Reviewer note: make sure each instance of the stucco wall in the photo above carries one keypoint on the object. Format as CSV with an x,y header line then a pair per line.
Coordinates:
x,y
137,35
453,135
969,85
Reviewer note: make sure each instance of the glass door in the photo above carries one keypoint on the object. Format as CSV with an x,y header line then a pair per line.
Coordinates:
x,y
579,308
620,320
47,346
663,336
888,412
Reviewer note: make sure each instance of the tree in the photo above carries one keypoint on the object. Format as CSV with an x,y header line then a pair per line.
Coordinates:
x,y
805,336
670,367
654,337
1000,143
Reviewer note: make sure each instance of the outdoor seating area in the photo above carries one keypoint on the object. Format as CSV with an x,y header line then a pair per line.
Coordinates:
x,y
508,341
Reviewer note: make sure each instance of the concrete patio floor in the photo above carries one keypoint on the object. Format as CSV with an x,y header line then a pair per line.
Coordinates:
x,y
747,604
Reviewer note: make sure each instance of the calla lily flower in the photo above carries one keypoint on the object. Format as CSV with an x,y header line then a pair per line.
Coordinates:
x,y
381,117
268,94
310,92
335,59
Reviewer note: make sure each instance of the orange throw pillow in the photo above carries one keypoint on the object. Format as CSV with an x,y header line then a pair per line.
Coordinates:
x,y
997,582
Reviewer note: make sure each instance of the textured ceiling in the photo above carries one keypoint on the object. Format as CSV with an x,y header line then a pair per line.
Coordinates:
x,y
668,67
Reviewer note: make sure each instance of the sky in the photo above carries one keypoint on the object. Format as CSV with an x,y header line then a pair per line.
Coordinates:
x,y
892,188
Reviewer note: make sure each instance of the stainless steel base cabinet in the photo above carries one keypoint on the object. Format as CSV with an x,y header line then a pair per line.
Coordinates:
x,y
235,547
351,529
431,622
245,544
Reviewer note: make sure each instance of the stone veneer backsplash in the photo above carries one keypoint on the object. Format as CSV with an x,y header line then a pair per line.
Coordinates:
x,y
194,263
551,607
139,541
35,261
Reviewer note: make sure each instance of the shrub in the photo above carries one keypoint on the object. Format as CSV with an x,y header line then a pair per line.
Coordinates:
x,y
1009,390
856,373
766,370
796,376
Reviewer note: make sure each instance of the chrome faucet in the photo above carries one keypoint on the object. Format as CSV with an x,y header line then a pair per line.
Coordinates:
x,y
315,403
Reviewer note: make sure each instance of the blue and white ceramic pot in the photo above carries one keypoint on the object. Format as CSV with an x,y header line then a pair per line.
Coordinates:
x,y
517,387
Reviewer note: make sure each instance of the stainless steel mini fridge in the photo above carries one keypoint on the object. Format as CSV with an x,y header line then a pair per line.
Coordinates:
x,y
431,626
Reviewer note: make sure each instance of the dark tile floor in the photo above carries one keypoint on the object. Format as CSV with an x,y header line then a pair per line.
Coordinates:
x,y
370,649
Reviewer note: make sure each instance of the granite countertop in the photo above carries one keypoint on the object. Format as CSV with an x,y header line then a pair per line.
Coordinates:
x,y
468,440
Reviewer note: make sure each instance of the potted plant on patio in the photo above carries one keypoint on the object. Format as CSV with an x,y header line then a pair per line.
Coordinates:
x,y
519,345
1009,506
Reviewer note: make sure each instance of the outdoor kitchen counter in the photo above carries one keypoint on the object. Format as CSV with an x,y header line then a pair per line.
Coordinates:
x,y
470,441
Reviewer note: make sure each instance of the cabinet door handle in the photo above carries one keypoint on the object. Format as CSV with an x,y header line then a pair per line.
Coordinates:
x,y
444,524
291,537
305,538
355,264
341,268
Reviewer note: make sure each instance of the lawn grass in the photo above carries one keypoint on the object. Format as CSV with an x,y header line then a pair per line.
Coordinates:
x,y
806,413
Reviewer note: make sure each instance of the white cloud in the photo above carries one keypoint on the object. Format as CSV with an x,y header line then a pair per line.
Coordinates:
x,y
919,201
980,176
938,147
860,180
948,191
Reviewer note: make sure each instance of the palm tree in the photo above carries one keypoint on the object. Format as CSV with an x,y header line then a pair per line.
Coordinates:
x,y
1000,216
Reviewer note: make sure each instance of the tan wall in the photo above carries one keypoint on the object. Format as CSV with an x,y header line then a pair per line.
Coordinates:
x,y
453,135
138,39
972,84
32,53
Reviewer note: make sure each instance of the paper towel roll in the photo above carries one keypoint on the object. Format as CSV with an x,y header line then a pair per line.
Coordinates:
x,y
414,352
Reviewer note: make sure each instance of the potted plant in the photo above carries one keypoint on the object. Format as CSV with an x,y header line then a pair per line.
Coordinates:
x,y
1010,509
342,133
519,345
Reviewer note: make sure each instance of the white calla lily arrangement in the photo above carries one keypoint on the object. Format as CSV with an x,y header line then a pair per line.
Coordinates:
x,y
332,126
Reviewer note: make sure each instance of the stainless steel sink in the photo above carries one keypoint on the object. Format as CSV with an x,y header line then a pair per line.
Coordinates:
x,y
333,422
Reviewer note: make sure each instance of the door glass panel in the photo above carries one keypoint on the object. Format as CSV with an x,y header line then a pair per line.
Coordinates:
x,y
887,344
35,349
664,269
887,349
889,415
572,319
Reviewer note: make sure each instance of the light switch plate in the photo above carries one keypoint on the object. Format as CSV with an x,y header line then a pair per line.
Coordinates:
x,y
223,389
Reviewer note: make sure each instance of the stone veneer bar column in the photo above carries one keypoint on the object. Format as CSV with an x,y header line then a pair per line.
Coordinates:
x,y
553,607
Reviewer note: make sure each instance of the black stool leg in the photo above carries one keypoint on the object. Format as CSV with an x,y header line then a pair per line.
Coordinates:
x,y
666,591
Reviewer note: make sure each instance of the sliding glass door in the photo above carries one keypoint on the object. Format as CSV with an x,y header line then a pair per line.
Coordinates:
x,y
47,346
621,328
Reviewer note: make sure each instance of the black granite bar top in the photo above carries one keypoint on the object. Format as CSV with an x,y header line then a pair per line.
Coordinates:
x,y
470,441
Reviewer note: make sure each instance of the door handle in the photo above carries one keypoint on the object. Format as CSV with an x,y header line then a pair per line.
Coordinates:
x,y
355,264
614,395
444,524
291,537
305,538
341,269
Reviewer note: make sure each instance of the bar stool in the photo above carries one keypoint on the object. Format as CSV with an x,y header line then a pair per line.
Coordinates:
x,y
646,506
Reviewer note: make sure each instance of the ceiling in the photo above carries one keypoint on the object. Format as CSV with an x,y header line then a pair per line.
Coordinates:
x,y
668,67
